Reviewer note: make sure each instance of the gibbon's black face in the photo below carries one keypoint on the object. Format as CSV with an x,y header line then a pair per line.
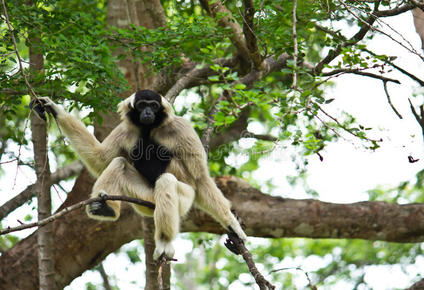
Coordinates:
x,y
147,110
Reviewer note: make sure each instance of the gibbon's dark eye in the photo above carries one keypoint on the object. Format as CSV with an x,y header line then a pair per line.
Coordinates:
x,y
140,106
155,106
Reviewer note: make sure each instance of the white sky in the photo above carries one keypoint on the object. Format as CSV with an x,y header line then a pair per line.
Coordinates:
x,y
346,173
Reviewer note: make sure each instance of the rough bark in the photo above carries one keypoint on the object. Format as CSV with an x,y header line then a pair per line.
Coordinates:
x,y
42,187
42,169
82,243
152,265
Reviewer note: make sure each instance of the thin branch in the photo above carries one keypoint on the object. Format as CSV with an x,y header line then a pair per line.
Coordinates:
x,y
105,277
390,101
77,206
344,128
12,35
410,75
358,71
29,192
236,245
261,137
339,36
418,117
332,54
375,28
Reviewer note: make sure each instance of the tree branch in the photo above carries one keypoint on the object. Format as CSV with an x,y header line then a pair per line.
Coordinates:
x,y
195,75
390,101
78,205
226,19
395,11
29,192
360,72
236,245
339,36
332,54
248,30
418,117
15,46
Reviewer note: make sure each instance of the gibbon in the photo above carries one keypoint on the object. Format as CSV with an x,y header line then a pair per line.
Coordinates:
x,y
153,155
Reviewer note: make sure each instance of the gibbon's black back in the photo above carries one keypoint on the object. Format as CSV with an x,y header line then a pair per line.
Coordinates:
x,y
147,111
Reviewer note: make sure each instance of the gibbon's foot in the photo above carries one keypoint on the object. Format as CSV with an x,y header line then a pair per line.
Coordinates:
x,y
163,247
236,229
101,208
233,243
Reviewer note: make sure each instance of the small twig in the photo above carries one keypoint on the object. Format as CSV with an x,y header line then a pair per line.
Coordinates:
x,y
162,261
236,245
77,206
390,101
344,128
418,117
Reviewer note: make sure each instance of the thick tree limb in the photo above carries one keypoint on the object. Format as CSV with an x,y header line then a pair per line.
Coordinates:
x,y
29,192
417,285
395,11
81,243
194,75
226,19
270,64
231,133
249,33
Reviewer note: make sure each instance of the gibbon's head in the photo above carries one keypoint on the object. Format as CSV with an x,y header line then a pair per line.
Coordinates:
x,y
145,108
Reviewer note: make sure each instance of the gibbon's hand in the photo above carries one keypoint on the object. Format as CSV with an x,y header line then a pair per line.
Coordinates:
x,y
43,105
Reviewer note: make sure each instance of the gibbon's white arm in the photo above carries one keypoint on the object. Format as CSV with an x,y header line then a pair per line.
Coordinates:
x,y
95,155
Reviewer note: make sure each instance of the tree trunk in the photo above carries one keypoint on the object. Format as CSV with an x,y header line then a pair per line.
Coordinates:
x,y
151,15
46,270
152,266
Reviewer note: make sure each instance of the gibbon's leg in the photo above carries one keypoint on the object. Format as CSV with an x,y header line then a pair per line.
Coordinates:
x,y
210,199
119,178
173,199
